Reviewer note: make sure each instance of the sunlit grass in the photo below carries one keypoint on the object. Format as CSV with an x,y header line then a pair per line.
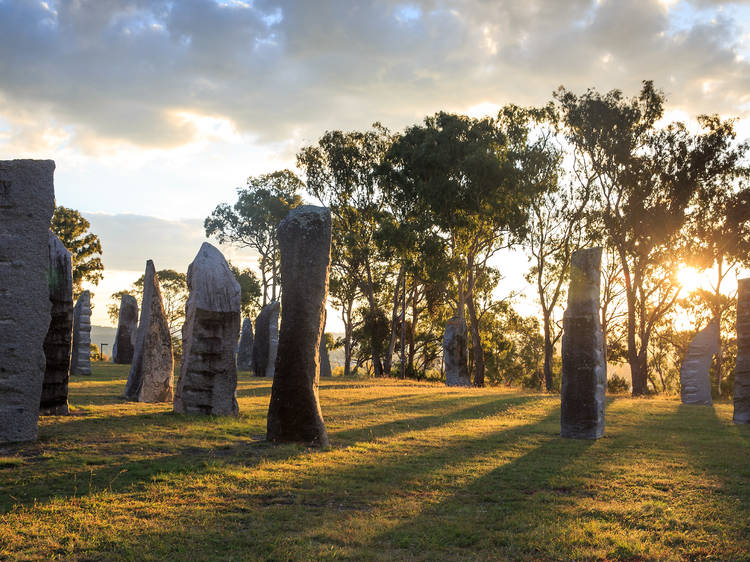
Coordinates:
x,y
415,471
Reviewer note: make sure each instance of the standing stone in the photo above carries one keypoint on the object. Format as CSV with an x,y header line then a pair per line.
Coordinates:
x,y
584,368
208,374
325,360
80,363
742,369
245,351
695,381
27,196
266,344
305,247
127,327
57,344
455,353
151,372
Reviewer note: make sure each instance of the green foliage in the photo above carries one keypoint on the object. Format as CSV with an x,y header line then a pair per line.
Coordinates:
x,y
94,353
252,221
617,385
85,248
250,290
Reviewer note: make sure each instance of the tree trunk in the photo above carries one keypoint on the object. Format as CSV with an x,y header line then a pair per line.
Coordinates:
x,y
403,327
377,365
347,317
476,344
388,359
413,327
548,352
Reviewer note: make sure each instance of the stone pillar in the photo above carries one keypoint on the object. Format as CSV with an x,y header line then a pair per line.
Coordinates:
x,y
127,327
152,369
208,374
584,368
245,351
27,199
58,342
325,360
266,341
742,369
305,247
80,363
695,381
456,353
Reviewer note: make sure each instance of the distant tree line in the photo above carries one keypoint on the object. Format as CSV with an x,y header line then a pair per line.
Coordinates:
x,y
421,216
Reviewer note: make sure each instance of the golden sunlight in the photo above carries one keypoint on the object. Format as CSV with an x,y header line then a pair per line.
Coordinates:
x,y
689,278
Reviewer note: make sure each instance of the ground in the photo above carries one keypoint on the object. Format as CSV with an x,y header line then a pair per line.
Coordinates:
x,y
415,471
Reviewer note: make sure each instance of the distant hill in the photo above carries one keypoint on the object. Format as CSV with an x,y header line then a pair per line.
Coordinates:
x,y
103,334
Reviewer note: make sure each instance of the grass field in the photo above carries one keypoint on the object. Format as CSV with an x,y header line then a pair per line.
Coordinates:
x,y
415,471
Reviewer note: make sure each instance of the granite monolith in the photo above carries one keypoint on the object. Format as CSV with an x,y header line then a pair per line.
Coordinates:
x,y
208,374
695,381
57,344
742,368
127,328
455,353
80,361
151,372
266,343
245,349
584,368
305,248
27,200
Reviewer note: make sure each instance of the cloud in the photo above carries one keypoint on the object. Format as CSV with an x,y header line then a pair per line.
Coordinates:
x,y
99,72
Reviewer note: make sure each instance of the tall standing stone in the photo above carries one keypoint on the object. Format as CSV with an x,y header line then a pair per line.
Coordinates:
x,y
245,351
127,327
57,344
80,363
266,344
584,368
695,381
305,247
456,352
208,374
27,198
325,360
152,369
742,369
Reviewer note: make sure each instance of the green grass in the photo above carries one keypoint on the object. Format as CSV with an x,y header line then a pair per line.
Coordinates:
x,y
415,471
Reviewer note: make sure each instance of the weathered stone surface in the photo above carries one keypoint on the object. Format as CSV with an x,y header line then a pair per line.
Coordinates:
x,y
80,362
57,344
245,351
305,247
265,346
325,360
26,203
455,353
742,369
695,382
151,372
208,374
127,328
584,368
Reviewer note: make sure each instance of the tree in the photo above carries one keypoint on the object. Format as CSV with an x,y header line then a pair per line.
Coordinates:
x,y
250,290
113,308
460,176
85,247
646,178
252,222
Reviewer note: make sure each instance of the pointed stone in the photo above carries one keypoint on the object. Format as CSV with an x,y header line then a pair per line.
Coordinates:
x,y
695,381
245,351
80,362
325,360
27,198
265,346
455,353
127,328
742,369
152,369
208,374
584,368
57,344
305,248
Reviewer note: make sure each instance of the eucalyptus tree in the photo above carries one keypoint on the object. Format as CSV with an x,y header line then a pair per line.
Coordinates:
x,y
461,177
341,171
85,247
252,222
646,177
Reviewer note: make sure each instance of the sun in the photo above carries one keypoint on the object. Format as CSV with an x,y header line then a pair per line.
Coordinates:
x,y
689,278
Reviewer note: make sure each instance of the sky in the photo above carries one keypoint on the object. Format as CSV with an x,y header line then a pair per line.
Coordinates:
x,y
157,111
